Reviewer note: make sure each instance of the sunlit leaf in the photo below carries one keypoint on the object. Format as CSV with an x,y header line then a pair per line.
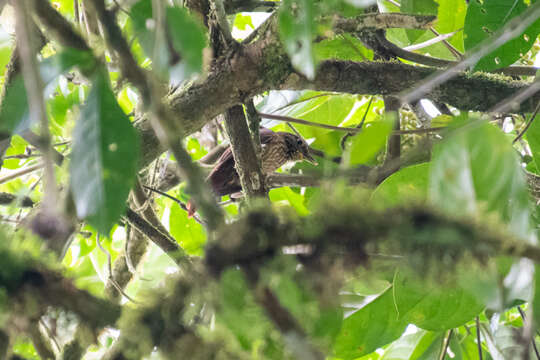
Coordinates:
x,y
369,142
189,233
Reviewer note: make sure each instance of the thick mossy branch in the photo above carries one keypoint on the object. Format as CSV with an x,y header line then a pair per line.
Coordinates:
x,y
349,230
31,288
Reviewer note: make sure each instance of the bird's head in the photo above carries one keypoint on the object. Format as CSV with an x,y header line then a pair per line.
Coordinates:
x,y
297,148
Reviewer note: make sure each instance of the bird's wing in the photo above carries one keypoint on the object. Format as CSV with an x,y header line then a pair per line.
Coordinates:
x,y
223,177
266,135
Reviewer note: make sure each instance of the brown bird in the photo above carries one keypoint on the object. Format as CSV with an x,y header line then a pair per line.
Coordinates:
x,y
278,148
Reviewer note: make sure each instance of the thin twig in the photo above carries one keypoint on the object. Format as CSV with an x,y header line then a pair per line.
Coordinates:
x,y
478,342
532,337
21,172
446,344
342,128
178,201
522,132
431,41
34,89
359,126
110,276
449,46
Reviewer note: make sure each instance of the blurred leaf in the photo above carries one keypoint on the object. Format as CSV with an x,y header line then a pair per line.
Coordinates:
x,y
239,312
189,233
295,200
188,39
104,158
371,327
485,18
430,306
320,317
368,143
409,183
14,116
476,170
450,18
297,29
53,66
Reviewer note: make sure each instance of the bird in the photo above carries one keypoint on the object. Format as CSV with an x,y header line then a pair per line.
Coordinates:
x,y
278,148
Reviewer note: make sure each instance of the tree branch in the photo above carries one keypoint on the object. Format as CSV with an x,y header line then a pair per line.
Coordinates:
x,y
248,165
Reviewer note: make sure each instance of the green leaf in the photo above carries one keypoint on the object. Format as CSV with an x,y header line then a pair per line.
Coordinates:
x,y
368,143
17,147
371,327
410,183
297,29
485,18
450,18
424,7
188,232
188,39
14,116
430,306
104,158
475,170
293,199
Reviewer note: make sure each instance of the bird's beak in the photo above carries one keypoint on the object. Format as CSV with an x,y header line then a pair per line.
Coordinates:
x,y
307,156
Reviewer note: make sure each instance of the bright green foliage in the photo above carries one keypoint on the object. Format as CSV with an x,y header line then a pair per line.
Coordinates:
x,y
485,18
364,146
189,233
386,267
450,18
104,158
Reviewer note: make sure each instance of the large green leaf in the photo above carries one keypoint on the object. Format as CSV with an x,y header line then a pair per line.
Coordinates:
x,y
371,327
297,29
486,17
104,158
430,306
475,170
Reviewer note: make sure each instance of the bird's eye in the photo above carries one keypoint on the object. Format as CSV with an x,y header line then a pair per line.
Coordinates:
x,y
299,142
